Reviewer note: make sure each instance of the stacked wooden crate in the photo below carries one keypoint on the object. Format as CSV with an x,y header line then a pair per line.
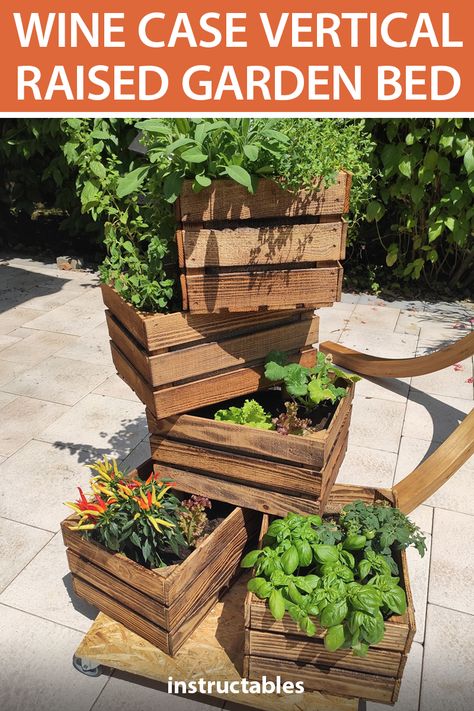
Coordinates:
x,y
273,647
253,269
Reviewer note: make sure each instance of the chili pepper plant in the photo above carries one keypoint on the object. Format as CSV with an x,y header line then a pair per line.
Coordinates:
x,y
143,520
338,573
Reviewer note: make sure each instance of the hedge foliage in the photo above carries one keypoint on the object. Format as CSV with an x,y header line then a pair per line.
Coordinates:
x,y
412,197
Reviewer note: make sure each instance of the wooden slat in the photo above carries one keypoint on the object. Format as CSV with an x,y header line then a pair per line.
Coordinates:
x,y
250,246
312,651
233,492
397,632
311,451
226,200
118,612
150,582
273,289
235,467
129,595
159,331
252,481
307,451
206,358
232,535
213,389
332,681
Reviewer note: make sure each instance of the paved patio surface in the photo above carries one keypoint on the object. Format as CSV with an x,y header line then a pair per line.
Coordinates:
x,y
61,406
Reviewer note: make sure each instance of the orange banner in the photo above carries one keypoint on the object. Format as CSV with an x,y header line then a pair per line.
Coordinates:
x,y
346,56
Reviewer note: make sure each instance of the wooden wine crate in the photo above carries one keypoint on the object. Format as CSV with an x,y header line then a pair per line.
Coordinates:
x,y
254,468
274,249
178,362
273,647
163,605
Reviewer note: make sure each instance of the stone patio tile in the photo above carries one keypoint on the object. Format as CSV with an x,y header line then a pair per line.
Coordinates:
x,y
368,467
452,561
14,318
21,332
117,388
333,320
36,347
376,342
433,417
124,692
54,599
376,424
137,456
9,371
381,344
78,317
349,298
434,329
458,492
380,318
409,696
93,348
99,425
37,480
5,398
419,572
18,545
37,672
451,381
422,516
23,419
59,380
7,341
447,681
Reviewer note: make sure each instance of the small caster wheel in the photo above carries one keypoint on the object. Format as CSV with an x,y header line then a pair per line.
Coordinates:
x,y
86,667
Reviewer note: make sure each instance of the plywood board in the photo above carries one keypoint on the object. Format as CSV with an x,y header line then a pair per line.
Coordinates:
x,y
213,652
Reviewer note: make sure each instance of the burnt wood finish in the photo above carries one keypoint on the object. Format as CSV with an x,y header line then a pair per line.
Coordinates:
x,y
179,362
163,605
272,250
273,647
249,467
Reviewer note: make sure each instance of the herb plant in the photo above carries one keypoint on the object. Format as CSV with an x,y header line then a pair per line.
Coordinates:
x,y
137,518
192,519
308,386
329,573
251,414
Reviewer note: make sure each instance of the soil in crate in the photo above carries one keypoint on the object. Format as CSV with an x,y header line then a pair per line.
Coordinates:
x,y
250,467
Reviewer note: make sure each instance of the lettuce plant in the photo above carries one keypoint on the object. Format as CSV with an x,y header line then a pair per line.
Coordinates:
x,y
250,414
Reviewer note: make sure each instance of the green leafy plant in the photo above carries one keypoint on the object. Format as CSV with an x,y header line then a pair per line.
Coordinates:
x,y
204,150
308,386
192,519
137,518
383,527
322,572
250,414
423,207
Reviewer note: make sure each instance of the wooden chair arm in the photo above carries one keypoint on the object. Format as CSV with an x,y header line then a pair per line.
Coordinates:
x,y
378,367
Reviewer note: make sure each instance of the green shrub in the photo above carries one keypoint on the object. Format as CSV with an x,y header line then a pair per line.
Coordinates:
x,y
424,203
